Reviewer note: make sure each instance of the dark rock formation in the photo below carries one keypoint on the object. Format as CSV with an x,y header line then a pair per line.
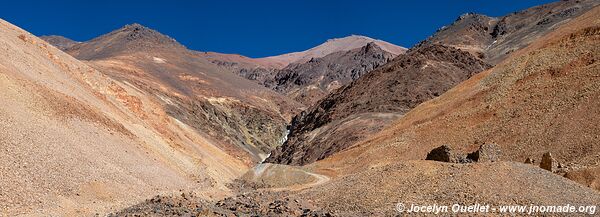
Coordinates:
x,y
443,154
486,153
548,162
529,161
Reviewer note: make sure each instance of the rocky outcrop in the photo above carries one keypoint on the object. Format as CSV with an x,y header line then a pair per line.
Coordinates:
x,y
548,162
529,161
486,153
443,154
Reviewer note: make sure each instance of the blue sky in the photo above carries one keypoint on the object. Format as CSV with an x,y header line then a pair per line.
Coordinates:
x,y
253,28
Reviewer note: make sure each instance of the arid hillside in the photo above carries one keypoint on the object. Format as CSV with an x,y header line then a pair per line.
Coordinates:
x,y
361,108
543,98
241,117
498,111
77,142
423,73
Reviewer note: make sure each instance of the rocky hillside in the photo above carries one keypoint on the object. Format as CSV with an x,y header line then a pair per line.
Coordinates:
x,y
77,142
390,91
243,118
310,75
342,118
539,99
543,98
258,70
308,82
493,38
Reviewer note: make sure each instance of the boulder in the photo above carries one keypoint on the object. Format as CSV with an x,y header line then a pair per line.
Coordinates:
x,y
548,162
486,153
445,154
529,161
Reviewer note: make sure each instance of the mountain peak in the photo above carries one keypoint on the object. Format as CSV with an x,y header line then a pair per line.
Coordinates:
x,y
129,38
470,15
136,31
334,45
351,37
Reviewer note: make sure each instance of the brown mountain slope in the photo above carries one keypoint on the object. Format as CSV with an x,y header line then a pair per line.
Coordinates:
x,y
543,98
377,190
243,118
339,120
328,126
76,142
370,178
309,82
332,46
494,38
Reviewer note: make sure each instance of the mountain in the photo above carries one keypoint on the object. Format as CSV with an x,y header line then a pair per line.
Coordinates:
x,y
128,39
58,41
357,110
308,82
363,107
132,123
317,72
77,142
240,116
494,38
541,98
332,46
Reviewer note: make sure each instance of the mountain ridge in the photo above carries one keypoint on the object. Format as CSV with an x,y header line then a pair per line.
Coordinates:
x,y
331,46
320,126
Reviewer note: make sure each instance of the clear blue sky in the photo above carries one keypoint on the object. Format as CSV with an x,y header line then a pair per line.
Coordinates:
x,y
252,28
